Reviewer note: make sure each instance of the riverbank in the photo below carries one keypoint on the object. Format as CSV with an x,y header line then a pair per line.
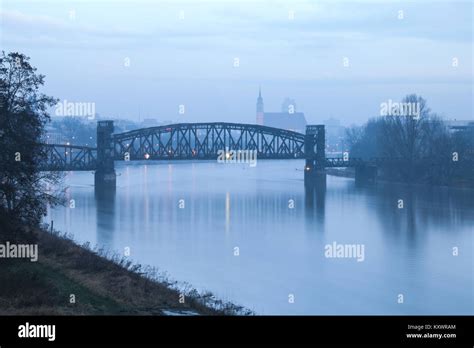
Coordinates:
x,y
68,279
350,173
342,172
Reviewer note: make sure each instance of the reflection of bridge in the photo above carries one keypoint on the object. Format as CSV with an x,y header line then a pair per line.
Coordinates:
x,y
193,141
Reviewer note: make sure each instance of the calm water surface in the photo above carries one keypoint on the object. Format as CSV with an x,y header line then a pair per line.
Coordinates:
x,y
408,251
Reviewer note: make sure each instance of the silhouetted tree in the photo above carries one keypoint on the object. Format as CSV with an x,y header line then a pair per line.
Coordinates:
x,y
418,147
363,140
24,192
414,140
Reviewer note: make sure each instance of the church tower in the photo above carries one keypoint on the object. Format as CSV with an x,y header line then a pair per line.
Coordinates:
x,y
260,108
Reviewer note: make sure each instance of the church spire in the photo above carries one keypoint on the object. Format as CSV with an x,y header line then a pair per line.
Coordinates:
x,y
260,113
259,100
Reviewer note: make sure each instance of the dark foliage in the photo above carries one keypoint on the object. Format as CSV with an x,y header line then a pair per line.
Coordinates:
x,y
24,190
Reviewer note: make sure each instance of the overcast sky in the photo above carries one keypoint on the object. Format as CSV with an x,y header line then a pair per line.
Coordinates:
x,y
184,52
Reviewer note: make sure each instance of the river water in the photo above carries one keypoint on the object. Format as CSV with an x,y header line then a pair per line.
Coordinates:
x,y
255,236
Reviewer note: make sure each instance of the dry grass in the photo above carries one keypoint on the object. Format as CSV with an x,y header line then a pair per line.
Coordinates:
x,y
102,283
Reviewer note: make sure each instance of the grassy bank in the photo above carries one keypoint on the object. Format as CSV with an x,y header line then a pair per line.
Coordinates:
x,y
100,282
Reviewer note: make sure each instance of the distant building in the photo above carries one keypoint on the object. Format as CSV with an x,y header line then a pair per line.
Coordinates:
x,y
54,136
335,136
150,122
122,125
288,119
459,124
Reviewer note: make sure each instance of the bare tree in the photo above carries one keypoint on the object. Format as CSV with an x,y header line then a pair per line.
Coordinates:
x,y
416,144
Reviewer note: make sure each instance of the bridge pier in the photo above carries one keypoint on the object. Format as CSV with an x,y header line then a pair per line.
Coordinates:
x,y
365,173
315,155
105,175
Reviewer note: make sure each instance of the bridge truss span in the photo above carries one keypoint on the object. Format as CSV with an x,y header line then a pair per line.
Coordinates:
x,y
69,157
339,162
205,140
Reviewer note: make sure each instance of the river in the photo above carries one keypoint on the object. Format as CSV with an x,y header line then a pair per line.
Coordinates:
x,y
255,236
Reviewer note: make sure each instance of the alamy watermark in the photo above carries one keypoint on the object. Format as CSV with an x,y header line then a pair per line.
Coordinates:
x,y
37,331
335,250
20,251
237,156
80,109
391,108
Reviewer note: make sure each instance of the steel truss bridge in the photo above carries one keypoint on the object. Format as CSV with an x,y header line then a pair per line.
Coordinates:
x,y
69,158
187,141
205,140
192,141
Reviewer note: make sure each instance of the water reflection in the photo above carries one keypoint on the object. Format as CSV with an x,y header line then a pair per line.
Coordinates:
x,y
422,206
105,214
315,203
281,228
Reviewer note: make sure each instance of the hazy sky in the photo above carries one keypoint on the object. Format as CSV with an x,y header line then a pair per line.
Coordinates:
x,y
184,52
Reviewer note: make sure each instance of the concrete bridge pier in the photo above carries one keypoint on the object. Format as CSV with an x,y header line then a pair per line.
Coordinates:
x,y
105,175
314,176
315,154
366,174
